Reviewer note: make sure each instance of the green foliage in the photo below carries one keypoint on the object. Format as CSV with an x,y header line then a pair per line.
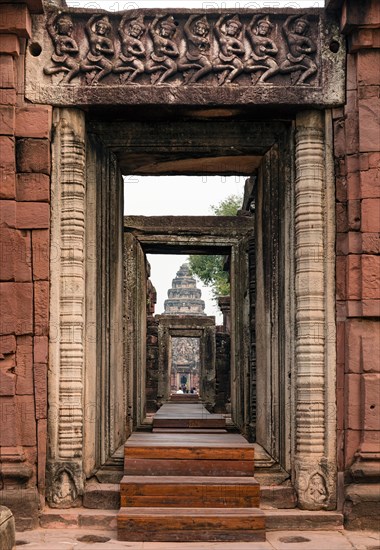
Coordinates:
x,y
209,269
229,206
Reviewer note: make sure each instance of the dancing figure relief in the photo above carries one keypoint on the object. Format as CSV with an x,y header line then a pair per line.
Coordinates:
x,y
228,31
60,28
197,56
158,47
165,51
101,48
301,47
131,59
264,49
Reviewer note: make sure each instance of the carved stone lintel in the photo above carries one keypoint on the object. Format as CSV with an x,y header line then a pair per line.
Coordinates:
x,y
144,49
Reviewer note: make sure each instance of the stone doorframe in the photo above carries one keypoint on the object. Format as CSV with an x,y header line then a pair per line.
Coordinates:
x,y
208,147
188,235
203,328
313,363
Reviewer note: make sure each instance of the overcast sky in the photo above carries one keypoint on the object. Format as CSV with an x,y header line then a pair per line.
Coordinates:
x,y
181,195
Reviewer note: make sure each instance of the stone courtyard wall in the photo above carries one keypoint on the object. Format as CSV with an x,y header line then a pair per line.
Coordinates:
x,y
24,288
357,159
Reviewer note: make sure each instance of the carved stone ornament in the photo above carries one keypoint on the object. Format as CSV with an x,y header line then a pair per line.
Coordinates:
x,y
65,484
195,53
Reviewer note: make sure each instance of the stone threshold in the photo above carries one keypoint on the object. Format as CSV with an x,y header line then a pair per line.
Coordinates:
x,y
276,520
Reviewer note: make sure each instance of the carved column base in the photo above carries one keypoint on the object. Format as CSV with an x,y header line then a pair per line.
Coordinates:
x,y
315,484
65,484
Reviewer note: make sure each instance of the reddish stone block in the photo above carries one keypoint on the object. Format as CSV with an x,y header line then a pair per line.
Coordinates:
x,y
8,433
341,244
352,124
7,345
33,187
33,155
371,401
341,188
15,255
374,160
353,401
368,67
366,92
339,138
354,242
7,72
7,375
16,308
371,277
40,389
352,163
26,420
32,215
353,185
7,168
352,444
369,124
370,183
362,345
341,217
370,308
354,308
9,44
41,308
40,246
370,215
353,277
7,120
351,72
370,342
340,342
24,365
41,453
8,96
33,121
371,243
40,352
361,39
353,214
15,19
341,278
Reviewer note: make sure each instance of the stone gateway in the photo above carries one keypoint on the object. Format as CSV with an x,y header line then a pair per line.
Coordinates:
x,y
287,98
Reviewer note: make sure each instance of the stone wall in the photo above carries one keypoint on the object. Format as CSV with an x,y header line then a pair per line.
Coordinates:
x,y
24,288
357,157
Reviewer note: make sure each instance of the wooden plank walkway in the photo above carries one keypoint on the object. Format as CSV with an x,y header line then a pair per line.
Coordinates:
x,y
185,415
189,486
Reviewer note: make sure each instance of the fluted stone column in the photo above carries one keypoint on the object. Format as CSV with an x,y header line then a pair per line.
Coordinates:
x,y
67,312
315,435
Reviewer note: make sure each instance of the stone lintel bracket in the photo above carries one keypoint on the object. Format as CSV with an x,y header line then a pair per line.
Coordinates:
x,y
186,57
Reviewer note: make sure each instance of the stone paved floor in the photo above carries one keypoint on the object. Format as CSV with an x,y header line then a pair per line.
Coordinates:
x,y
67,539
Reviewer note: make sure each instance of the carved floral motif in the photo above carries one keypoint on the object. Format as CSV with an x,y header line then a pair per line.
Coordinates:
x,y
169,51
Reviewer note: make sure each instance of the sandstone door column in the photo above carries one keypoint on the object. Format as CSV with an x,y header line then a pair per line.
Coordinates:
x,y
67,311
314,406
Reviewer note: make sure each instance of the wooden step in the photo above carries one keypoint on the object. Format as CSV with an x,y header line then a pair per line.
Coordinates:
x,y
190,430
184,398
188,455
190,524
180,415
195,492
